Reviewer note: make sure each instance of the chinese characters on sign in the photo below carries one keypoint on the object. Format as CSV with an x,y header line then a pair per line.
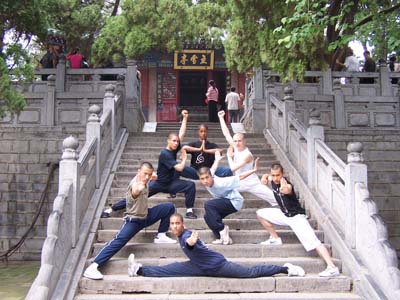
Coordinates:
x,y
194,60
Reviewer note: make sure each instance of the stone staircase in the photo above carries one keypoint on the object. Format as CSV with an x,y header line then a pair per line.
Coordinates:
x,y
382,156
245,231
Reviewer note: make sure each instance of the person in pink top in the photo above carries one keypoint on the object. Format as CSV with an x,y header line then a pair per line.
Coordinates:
x,y
212,96
75,59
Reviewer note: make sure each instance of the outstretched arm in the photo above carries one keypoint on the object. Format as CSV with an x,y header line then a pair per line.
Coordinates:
x,y
236,166
180,166
249,172
225,130
286,188
218,157
182,130
192,240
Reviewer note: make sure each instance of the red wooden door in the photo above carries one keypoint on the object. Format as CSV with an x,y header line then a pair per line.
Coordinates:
x,y
167,99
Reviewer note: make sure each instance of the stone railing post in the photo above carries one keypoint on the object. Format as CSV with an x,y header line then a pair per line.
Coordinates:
x,y
338,99
355,172
51,100
93,130
384,80
69,171
269,91
109,104
288,106
258,102
132,103
61,74
315,131
327,82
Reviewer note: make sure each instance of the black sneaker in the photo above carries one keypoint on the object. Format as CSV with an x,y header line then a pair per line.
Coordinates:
x,y
190,215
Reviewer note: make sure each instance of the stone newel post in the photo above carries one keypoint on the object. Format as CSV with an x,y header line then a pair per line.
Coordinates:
x,y
51,99
315,131
289,106
109,104
355,172
69,173
340,121
93,131
60,74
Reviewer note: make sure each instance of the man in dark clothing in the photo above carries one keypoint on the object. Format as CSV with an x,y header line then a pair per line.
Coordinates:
x,y
290,213
204,261
369,66
203,153
168,172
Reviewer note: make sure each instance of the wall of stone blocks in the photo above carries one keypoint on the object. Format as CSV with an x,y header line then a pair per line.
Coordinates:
x,y
25,154
382,157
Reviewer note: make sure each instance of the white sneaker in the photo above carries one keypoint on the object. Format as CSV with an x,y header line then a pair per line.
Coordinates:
x,y
133,266
163,239
330,272
272,241
92,272
294,270
224,233
217,242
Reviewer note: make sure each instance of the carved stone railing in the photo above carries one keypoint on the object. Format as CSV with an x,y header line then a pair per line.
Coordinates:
x,y
337,195
81,176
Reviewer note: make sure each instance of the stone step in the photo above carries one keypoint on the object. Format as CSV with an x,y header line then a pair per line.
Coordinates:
x,y
151,250
154,156
120,284
234,224
157,145
227,296
309,264
238,236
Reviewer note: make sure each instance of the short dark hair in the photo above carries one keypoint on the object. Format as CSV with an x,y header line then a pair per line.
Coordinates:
x,y
177,215
147,165
367,52
203,170
203,125
233,89
171,134
277,166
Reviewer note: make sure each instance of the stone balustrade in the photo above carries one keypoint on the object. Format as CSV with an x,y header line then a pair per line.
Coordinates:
x,y
335,192
82,180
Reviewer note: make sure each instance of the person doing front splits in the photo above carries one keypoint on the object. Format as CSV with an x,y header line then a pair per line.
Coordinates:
x,y
204,261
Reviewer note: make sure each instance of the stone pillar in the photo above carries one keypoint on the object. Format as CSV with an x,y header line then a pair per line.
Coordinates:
x,y
61,74
93,131
384,80
315,131
109,104
258,102
69,173
269,90
355,172
289,106
338,99
132,102
327,82
51,99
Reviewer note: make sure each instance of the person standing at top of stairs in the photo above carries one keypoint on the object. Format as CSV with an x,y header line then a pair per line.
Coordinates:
x,y
168,172
138,216
241,160
203,152
290,213
226,199
204,261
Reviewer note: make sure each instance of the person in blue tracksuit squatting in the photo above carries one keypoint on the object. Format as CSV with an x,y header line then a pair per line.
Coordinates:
x,y
204,261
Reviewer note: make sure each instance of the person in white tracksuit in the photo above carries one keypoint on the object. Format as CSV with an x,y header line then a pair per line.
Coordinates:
x,y
241,160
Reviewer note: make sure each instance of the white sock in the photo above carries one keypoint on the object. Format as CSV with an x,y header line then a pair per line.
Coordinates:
x,y
108,210
189,210
94,265
161,234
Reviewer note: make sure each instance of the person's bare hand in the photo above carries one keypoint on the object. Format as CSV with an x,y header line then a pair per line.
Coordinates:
x,y
218,156
265,179
221,114
185,113
183,155
193,238
203,146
